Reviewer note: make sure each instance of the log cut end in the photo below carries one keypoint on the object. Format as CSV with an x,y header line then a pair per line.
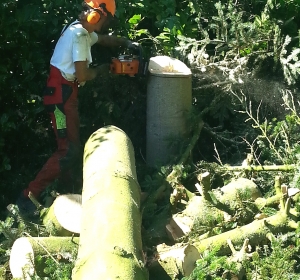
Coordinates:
x,y
21,261
67,210
180,259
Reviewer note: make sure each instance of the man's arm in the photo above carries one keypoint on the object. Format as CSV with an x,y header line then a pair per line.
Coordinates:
x,y
83,73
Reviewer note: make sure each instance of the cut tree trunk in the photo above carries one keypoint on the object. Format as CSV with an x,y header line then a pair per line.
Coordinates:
x,y
25,250
178,260
110,236
63,217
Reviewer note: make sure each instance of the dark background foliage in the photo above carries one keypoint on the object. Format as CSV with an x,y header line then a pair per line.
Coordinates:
x,y
28,33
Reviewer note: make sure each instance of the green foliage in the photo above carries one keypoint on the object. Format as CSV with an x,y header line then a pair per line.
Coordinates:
x,y
26,32
211,266
278,139
262,265
280,135
58,267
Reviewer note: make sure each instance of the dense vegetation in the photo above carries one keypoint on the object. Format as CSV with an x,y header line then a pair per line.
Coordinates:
x,y
244,56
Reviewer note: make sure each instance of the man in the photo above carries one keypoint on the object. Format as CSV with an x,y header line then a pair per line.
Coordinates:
x,y
69,67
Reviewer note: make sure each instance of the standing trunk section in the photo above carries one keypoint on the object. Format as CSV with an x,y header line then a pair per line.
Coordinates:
x,y
110,238
169,102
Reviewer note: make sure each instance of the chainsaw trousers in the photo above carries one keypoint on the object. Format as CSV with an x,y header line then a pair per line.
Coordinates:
x,y
61,102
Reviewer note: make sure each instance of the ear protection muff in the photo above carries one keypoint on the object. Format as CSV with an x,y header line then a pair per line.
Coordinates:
x,y
93,17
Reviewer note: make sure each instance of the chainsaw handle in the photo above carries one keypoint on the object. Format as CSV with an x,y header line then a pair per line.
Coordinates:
x,y
134,47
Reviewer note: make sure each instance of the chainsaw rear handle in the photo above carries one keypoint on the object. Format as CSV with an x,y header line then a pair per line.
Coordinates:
x,y
143,65
134,47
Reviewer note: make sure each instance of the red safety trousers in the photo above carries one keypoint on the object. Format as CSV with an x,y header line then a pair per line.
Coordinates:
x,y
61,95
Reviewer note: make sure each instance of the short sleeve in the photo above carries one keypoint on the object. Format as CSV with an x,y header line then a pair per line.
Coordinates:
x,y
81,47
94,38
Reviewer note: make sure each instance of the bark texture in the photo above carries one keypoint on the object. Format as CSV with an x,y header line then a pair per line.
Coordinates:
x,y
110,236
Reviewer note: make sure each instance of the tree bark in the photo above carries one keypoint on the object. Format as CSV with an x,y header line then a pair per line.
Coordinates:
x,y
25,250
110,237
287,167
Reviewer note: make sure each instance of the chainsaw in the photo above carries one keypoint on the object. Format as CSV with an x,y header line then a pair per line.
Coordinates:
x,y
132,65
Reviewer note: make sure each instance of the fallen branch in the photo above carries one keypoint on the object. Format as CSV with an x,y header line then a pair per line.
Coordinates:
x,y
214,206
258,232
288,167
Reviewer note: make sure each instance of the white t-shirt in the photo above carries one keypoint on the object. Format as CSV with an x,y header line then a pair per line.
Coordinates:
x,y
73,45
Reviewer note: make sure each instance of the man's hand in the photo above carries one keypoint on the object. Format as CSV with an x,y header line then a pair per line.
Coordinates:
x,y
103,69
133,46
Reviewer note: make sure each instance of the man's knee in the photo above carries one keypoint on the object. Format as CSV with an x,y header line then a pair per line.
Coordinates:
x,y
72,158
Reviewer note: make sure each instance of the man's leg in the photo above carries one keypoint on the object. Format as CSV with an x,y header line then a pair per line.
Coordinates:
x,y
49,172
68,146
71,163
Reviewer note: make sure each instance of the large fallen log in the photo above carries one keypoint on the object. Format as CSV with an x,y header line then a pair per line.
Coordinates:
x,y
25,250
110,236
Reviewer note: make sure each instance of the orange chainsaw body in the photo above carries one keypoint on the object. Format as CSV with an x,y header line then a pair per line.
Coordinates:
x,y
124,64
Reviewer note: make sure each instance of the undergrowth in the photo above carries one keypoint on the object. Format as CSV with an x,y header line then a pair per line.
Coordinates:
x,y
275,261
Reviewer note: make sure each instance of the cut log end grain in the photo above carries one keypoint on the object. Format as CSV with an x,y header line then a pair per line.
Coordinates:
x,y
183,257
63,217
67,210
21,259
25,250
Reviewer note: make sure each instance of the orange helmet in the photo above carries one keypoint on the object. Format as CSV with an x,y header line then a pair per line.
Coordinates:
x,y
110,4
